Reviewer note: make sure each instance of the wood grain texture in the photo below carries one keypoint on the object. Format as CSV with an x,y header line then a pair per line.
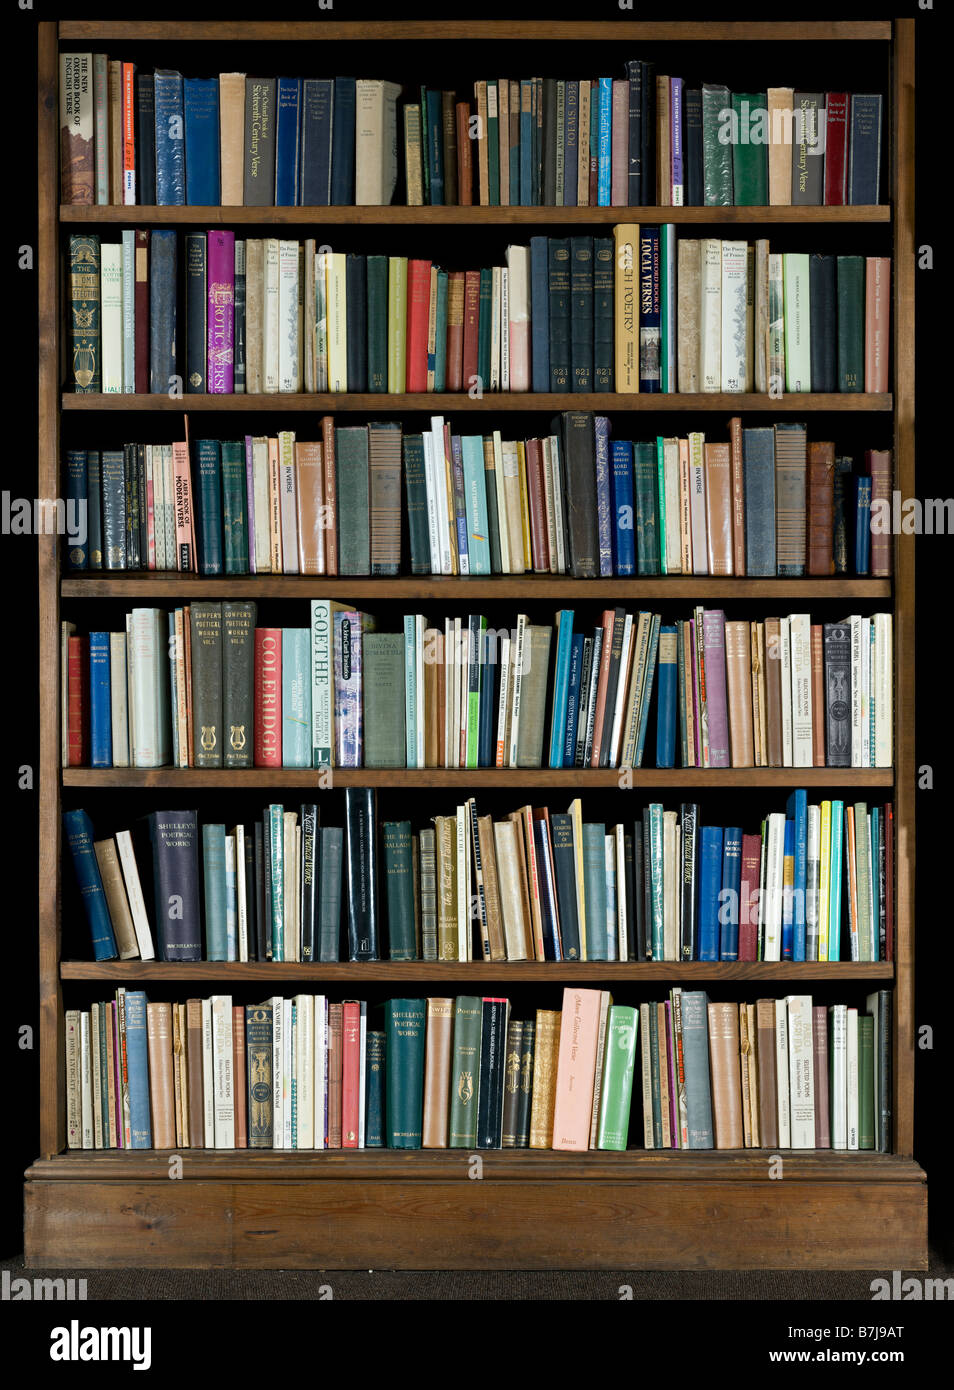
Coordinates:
x,y
400,215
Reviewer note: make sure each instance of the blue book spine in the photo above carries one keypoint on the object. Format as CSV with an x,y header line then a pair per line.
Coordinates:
x,y
460,503
695,1048
162,309
605,168
788,878
540,313
213,882
440,350
594,883
317,109
201,102
862,525
604,520
79,836
864,146
342,143
137,1069
209,508
622,530
729,901
77,510
666,700
710,886
526,143
100,704
796,808
571,144
296,697
834,882
475,499
435,146
170,142
561,687
647,689
758,468
288,142
573,699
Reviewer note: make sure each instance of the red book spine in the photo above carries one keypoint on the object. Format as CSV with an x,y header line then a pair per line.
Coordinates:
x,y
836,149
330,507
78,697
129,133
748,897
238,1075
142,312
268,697
889,880
878,464
350,1072
471,325
536,497
418,306
465,164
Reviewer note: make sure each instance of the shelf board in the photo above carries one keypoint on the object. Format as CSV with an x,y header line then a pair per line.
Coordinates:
x,y
416,31
450,972
475,216
430,1165
580,779
439,404
438,588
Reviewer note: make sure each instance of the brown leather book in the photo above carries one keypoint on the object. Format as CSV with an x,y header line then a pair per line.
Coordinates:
x,y
334,1076
609,617
878,464
738,495
753,1070
465,164
772,666
311,492
239,1087
488,860
194,1071
433,696
718,461
437,1070
107,857
455,324
744,1053
757,644
545,1057
330,493
161,1083
663,144
384,477
726,1075
821,507
818,695
768,1095
536,497
231,143
450,148
513,1057
738,672
180,1075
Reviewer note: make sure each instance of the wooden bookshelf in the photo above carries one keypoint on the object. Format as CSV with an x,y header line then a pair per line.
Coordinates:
x,y
534,1209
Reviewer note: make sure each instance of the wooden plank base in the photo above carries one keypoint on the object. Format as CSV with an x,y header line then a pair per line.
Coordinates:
x,y
527,1211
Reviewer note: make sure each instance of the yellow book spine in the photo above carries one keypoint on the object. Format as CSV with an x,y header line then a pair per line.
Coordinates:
x,y
397,324
337,323
524,504
626,238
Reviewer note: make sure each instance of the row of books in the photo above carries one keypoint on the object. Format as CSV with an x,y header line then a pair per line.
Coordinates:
x,y
203,686
464,1073
573,314
768,501
813,883
131,136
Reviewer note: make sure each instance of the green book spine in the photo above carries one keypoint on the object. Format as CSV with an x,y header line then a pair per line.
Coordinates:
x,y
238,660
716,155
866,1121
375,1054
234,499
798,359
645,480
850,272
426,161
86,369
397,323
206,619
484,310
440,354
404,1029
661,495
749,150
383,696
618,1068
352,480
493,148
594,888
276,827
478,626
656,870
400,890
465,1072
213,876
377,291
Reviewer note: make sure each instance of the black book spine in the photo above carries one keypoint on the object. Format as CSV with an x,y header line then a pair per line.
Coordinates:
x,y
309,880
207,684
487,721
527,1048
549,142
648,127
175,864
94,508
197,299
361,873
693,160
131,475
630,897
356,280
564,868
689,817
837,654
634,183
330,844
238,662
145,139
490,1086
821,292
511,1101
578,460
647,932
143,506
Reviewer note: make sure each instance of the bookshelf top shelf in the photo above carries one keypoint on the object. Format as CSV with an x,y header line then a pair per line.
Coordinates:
x,y
434,403
100,215
514,30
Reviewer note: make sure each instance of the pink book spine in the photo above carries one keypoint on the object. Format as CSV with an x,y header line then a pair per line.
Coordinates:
x,y
713,633
697,721
250,504
221,311
268,697
576,1069
674,1127
519,355
748,901
877,321
619,166
820,1058
182,501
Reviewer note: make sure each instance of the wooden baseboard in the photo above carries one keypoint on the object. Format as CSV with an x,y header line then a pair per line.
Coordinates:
x,y
526,1211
